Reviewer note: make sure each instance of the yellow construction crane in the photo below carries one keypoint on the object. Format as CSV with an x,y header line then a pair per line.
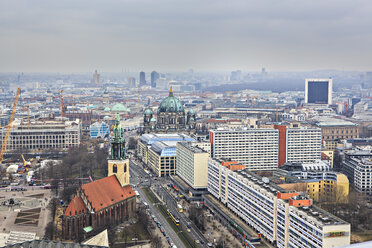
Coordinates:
x,y
5,140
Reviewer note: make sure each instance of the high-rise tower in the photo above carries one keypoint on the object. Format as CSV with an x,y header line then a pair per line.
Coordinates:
x,y
154,77
142,78
118,164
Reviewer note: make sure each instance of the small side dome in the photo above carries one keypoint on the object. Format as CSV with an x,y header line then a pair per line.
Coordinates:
x,y
107,109
106,118
192,119
148,112
152,119
191,112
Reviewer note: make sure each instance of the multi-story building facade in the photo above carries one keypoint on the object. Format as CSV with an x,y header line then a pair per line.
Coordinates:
x,y
298,144
303,145
286,218
192,165
357,165
334,130
147,140
266,148
42,134
257,149
318,91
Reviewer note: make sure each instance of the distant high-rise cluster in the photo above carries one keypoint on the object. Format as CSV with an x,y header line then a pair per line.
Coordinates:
x,y
318,91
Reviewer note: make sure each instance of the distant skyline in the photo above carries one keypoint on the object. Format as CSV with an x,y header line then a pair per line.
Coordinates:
x,y
168,35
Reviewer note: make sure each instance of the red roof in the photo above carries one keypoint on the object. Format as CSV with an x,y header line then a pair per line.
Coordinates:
x,y
75,207
106,192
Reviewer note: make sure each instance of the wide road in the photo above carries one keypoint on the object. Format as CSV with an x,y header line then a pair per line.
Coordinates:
x,y
146,180
138,178
172,205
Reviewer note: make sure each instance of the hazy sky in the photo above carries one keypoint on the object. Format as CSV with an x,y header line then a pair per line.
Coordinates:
x,y
175,35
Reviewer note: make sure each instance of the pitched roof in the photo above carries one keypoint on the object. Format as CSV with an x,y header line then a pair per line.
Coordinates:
x,y
105,192
75,207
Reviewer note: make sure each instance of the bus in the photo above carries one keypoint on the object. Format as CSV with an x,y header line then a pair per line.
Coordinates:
x,y
173,218
179,208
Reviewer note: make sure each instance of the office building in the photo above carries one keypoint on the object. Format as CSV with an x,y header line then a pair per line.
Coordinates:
x,y
192,164
42,134
132,82
318,91
257,149
317,180
284,217
142,80
154,77
357,165
158,151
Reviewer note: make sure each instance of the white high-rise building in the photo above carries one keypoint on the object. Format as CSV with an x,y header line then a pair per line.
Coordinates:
x,y
192,164
303,144
257,149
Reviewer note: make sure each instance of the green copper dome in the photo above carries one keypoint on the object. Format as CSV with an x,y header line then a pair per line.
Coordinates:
x,y
119,108
153,119
171,104
191,112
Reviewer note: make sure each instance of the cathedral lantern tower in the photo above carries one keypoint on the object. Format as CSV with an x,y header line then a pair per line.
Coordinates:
x,y
118,163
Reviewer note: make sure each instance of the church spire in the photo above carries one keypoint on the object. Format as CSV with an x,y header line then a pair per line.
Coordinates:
x,y
118,141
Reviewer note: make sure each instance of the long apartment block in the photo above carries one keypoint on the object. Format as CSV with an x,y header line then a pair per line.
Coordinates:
x,y
266,148
257,149
39,135
282,217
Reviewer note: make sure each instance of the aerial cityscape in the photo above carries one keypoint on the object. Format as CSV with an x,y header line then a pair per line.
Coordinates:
x,y
185,124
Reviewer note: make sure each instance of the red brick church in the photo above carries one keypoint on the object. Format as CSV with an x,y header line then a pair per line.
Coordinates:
x,y
105,202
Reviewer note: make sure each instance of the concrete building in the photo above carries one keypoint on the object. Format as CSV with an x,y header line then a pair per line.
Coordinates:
x,y
158,151
299,144
318,91
286,218
42,134
316,180
192,165
357,165
257,149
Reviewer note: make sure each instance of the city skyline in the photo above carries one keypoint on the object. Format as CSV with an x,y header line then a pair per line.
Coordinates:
x,y
166,36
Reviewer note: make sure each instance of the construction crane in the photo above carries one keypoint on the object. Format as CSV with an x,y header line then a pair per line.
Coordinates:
x,y
62,113
5,140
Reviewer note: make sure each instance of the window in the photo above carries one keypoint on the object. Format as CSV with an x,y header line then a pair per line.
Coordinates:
x,y
114,168
125,168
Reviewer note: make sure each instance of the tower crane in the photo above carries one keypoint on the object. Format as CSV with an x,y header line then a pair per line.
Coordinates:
x,y
5,140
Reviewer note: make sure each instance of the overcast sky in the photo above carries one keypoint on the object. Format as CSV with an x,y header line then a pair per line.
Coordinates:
x,y
175,35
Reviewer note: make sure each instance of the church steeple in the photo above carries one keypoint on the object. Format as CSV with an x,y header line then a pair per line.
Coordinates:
x,y
118,141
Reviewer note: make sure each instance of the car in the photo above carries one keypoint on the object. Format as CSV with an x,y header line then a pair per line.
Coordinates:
x,y
197,241
209,245
188,230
